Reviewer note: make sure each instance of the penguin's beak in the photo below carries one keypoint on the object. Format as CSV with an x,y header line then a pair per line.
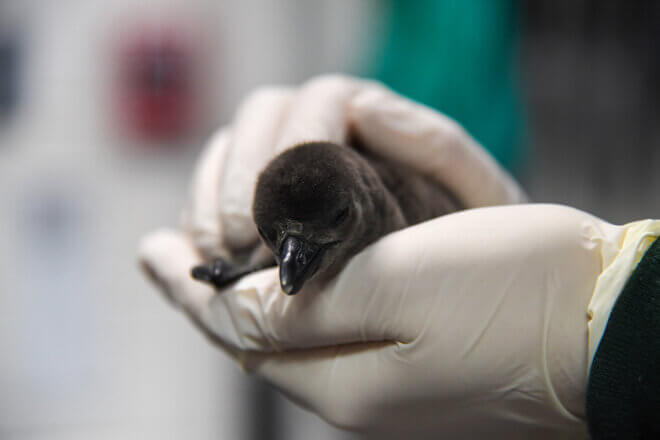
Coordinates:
x,y
298,262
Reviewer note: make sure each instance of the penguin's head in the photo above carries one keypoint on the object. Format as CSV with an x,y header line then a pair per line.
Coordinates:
x,y
309,208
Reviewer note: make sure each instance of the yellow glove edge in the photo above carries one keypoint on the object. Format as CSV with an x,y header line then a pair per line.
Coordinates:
x,y
618,268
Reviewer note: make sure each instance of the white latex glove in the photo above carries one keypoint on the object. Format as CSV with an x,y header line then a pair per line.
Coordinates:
x,y
472,324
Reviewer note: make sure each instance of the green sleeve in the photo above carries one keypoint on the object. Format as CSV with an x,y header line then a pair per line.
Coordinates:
x,y
461,58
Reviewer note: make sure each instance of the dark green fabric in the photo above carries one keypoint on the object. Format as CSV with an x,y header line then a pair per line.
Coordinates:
x,y
461,58
623,394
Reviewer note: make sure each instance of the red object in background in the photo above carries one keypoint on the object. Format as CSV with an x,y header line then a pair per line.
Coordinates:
x,y
157,97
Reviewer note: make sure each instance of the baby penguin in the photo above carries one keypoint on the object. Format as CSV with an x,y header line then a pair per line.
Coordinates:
x,y
318,204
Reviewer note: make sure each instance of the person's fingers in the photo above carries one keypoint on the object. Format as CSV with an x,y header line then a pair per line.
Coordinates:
x,y
234,315
255,131
201,217
318,112
399,129
167,256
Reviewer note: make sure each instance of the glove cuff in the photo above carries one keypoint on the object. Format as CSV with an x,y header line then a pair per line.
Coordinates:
x,y
619,260
623,393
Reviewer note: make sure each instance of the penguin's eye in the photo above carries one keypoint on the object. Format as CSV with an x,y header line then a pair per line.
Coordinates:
x,y
340,217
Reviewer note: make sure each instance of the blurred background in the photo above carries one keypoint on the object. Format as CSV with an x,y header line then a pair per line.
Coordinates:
x,y
105,105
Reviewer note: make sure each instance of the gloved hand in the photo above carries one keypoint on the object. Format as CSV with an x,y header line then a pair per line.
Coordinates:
x,y
475,323
472,324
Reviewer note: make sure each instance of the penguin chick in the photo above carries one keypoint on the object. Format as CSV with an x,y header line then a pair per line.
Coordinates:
x,y
318,204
